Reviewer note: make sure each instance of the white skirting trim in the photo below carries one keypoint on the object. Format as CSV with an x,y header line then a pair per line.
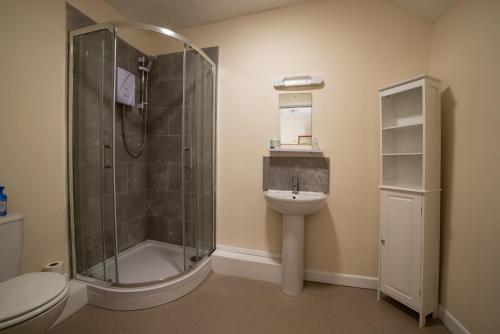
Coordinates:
x,y
357,281
260,266
451,322
248,251
255,267
77,299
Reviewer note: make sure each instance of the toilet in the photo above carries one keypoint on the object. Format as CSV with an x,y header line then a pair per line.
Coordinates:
x,y
32,302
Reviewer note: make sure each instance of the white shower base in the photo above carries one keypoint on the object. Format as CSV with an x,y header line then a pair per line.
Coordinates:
x,y
145,262
148,261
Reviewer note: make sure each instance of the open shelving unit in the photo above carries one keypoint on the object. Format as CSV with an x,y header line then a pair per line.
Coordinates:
x,y
402,138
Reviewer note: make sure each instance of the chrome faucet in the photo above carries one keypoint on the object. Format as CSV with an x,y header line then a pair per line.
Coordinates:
x,y
295,184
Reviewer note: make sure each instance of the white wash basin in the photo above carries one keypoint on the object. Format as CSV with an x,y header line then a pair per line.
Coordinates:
x,y
293,207
300,204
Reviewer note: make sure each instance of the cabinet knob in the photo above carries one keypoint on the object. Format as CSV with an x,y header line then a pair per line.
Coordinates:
x,y
382,241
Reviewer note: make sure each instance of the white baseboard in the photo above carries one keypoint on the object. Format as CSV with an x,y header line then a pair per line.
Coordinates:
x,y
356,281
260,265
77,299
451,322
255,267
248,251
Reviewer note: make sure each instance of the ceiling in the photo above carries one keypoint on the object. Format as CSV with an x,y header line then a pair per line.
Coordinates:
x,y
188,13
431,10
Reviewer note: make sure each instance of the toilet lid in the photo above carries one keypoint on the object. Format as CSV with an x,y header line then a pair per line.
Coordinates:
x,y
22,294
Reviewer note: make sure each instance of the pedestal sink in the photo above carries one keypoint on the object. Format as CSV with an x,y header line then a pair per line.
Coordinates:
x,y
293,207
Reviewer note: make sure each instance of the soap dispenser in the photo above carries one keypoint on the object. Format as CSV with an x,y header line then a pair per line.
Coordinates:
x,y
3,202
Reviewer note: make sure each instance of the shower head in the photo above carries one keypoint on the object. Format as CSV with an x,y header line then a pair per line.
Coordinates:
x,y
146,62
151,59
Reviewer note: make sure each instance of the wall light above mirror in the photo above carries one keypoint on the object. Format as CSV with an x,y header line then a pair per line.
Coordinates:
x,y
297,81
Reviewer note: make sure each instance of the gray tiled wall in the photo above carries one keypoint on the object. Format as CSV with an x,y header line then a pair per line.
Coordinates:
x,y
131,173
164,140
313,173
76,19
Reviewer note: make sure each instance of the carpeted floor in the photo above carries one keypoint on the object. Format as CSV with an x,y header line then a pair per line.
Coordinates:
x,y
224,304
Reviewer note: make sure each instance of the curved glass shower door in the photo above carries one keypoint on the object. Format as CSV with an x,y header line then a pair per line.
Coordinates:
x,y
142,154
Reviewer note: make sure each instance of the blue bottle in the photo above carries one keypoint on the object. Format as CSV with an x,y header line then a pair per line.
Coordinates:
x,y
3,202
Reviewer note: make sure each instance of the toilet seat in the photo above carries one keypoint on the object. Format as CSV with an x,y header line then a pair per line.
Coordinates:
x,y
26,296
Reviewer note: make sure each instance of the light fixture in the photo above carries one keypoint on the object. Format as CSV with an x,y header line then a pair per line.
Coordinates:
x,y
296,81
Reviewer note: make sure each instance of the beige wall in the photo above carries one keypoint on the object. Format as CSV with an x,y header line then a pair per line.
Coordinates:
x,y
465,54
357,47
32,124
33,120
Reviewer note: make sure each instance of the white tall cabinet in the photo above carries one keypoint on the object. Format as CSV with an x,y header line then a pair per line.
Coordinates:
x,y
410,177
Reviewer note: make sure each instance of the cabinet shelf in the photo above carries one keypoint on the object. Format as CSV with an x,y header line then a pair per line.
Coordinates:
x,y
402,170
408,188
403,187
401,154
402,127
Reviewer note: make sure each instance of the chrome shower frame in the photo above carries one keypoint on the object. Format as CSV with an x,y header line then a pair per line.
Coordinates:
x,y
113,27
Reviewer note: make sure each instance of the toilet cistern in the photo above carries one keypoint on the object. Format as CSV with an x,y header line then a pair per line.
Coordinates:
x,y
294,205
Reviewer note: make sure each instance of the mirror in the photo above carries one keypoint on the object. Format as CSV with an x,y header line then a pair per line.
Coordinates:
x,y
295,119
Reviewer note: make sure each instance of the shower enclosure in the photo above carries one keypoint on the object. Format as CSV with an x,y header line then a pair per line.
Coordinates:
x,y
141,155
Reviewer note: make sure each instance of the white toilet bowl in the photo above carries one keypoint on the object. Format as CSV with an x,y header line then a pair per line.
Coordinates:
x,y
32,302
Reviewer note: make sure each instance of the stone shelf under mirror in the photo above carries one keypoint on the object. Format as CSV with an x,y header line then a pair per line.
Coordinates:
x,y
298,149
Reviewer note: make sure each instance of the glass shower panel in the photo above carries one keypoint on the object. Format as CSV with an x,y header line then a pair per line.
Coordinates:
x,y
199,158
92,57
148,194
205,158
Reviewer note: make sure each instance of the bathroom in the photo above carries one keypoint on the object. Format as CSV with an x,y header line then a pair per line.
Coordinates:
x,y
192,207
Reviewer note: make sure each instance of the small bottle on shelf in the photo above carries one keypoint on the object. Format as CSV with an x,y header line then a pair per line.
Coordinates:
x,y
274,144
3,202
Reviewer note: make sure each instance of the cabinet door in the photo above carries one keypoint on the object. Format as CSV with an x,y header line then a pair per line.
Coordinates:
x,y
401,219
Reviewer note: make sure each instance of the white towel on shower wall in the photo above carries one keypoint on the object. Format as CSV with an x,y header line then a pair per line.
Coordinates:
x,y
125,87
